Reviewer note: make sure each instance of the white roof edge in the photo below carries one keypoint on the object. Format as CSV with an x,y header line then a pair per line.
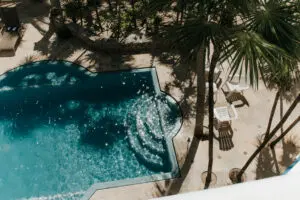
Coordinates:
x,y
276,188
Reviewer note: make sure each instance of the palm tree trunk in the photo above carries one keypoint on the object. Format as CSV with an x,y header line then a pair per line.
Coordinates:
x,y
79,3
81,17
182,11
213,64
177,17
200,104
284,133
98,16
132,2
272,114
110,5
272,133
281,111
55,3
119,19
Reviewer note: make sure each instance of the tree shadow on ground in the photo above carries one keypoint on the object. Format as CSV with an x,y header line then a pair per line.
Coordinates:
x,y
173,186
267,163
225,138
43,44
101,61
265,166
184,77
28,9
37,14
291,149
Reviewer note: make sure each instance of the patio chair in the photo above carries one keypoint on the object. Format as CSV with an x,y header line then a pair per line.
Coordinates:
x,y
9,42
12,29
10,35
225,137
224,115
235,92
236,87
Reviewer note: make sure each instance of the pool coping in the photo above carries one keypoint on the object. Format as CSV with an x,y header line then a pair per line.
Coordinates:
x,y
175,172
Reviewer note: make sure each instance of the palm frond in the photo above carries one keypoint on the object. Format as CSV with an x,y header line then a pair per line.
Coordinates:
x,y
279,23
193,33
248,52
154,6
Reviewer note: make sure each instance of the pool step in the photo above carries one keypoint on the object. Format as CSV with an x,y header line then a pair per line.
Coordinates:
x,y
147,140
142,153
144,135
151,124
152,129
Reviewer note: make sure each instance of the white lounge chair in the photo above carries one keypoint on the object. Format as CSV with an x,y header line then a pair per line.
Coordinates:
x,y
225,115
235,90
236,87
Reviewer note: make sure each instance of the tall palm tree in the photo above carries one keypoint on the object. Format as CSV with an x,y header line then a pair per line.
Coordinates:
x,y
133,13
74,10
55,3
96,4
236,41
279,23
110,5
271,134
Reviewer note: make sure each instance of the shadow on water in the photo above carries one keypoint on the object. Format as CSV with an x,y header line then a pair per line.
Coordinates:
x,y
183,73
44,73
56,94
104,133
30,93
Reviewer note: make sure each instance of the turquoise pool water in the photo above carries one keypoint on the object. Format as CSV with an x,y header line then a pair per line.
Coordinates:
x,y
63,129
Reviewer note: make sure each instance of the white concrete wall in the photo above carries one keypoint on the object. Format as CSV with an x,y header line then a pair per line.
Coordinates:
x,y
277,188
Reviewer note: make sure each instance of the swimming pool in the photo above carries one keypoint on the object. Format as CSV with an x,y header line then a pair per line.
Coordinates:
x,y
64,130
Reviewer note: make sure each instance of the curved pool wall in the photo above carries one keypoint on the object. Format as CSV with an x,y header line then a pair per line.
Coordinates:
x,y
47,97
174,173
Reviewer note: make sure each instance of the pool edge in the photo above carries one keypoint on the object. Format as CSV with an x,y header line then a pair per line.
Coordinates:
x,y
170,145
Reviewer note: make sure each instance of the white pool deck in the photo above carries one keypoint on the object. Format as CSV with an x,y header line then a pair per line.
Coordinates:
x,y
251,123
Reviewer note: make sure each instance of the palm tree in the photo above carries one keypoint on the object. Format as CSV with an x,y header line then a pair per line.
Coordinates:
x,y
236,41
271,134
55,3
133,13
110,5
273,143
278,22
95,4
73,9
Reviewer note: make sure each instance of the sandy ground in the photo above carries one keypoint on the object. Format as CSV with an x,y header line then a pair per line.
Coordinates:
x,y
38,43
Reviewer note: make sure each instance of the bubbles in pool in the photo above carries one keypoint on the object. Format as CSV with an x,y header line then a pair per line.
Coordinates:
x,y
72,137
